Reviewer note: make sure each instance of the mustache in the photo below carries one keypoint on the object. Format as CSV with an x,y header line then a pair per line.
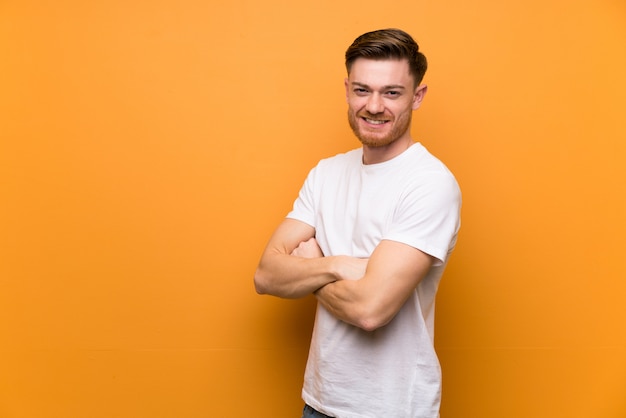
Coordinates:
x,y
368,115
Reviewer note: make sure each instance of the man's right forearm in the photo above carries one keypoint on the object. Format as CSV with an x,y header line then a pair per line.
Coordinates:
x,y
289,276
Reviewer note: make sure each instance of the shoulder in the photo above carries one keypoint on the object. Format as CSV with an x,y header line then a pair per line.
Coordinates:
x,y
425,161
346,158
339,163
420,163
429,176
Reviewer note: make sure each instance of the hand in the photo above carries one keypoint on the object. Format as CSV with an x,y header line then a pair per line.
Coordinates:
x,y
308,249
348,268
351,268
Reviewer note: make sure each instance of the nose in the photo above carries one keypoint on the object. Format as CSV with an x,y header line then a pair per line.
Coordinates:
x,y
374,104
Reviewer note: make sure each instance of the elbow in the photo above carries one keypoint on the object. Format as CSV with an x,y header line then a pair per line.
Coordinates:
x,y
371,319
265,285
368,315
260,285
371,324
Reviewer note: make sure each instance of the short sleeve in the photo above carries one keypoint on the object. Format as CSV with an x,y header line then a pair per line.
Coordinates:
x,y
304,206
428,216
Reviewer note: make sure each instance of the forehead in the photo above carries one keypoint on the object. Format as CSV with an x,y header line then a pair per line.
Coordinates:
x,y
380,72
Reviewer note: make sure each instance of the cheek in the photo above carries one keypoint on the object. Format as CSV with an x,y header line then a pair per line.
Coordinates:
x,y
355,102
402,108
352,105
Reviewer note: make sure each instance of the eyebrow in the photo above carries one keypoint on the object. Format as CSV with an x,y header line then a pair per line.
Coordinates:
x,y
388,87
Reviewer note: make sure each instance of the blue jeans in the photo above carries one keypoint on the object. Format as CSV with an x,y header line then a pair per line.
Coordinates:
x,y
309,412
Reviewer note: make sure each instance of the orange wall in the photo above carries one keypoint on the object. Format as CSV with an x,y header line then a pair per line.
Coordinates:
x,y
148,149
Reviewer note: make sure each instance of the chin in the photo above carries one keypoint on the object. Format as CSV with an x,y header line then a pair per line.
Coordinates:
x,y
370,140
375,143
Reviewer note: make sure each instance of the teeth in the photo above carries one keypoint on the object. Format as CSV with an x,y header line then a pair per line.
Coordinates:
x,y
375,121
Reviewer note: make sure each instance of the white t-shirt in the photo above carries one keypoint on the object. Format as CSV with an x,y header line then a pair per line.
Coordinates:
x,y
413,199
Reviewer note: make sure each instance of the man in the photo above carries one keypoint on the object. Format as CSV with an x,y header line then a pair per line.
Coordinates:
x,y
369,235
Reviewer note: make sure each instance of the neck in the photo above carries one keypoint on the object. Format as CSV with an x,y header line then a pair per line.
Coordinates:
x,y
377,155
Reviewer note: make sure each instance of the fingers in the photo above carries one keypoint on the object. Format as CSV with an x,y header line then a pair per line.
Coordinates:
x,y
308,249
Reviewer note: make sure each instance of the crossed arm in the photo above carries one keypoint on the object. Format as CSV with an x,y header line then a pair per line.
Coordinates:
x,y
366,293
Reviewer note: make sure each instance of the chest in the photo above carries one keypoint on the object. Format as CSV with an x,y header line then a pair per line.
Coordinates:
x,y
355,211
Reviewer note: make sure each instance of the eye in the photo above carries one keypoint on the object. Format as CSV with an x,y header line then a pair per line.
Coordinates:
x,y
359,91
393,93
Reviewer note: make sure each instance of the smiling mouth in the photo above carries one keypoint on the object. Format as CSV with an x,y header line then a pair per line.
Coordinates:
x,y
375,121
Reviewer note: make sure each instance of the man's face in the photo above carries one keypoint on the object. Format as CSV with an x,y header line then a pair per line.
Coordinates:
x,y
381,97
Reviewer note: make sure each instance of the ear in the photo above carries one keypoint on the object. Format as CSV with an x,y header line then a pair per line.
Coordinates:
x,y
420,92
347,85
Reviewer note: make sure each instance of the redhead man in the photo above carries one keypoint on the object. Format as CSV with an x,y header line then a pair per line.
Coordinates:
x,y
369,235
